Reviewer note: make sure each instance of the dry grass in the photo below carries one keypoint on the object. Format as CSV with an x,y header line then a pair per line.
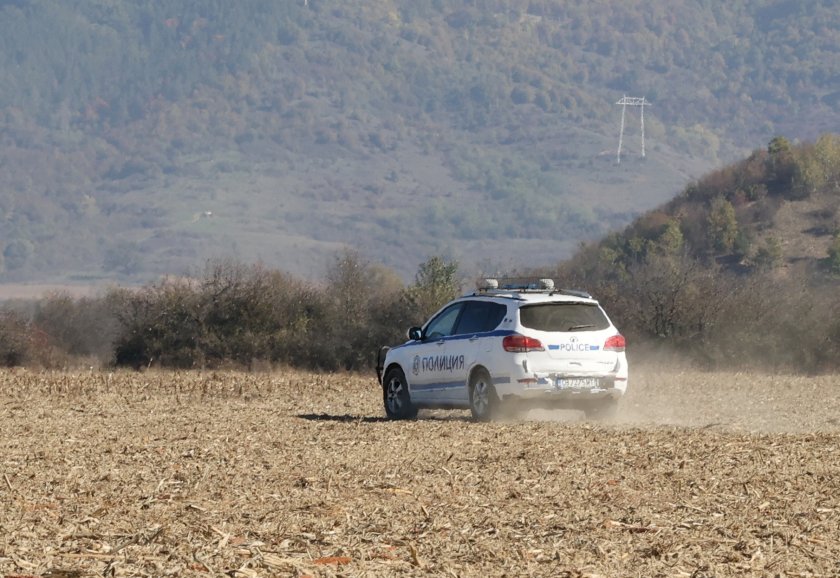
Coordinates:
x,y
296,474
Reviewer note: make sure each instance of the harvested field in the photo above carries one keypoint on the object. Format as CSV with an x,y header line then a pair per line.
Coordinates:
x,y
298,474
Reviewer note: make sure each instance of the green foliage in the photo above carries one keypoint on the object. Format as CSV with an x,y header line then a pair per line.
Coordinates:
x,y
723,226
782,167
769,255
671,241
743,245
729,214
817,167
435,284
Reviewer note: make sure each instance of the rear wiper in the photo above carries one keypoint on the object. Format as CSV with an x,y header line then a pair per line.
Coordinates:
x,y
578,327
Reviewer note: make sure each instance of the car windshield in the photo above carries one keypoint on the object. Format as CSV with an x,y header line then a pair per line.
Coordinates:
x,y
563,317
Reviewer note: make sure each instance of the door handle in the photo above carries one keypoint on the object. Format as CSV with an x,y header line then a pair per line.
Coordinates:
x,y
441,342
474,338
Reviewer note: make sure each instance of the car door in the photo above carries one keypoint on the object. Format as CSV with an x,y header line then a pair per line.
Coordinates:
x,y
473,341
431,371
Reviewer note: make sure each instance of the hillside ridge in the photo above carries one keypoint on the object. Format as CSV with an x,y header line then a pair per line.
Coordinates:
x,y
143,138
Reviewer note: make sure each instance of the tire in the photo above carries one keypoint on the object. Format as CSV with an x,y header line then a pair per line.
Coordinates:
x,y
485,404
602,410
395,396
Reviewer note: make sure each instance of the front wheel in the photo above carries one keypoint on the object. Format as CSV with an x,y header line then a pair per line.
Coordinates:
x,y
396,397
484,402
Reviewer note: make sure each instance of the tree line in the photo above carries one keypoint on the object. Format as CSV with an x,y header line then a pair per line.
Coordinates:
x,y
705,276
249,317
231,315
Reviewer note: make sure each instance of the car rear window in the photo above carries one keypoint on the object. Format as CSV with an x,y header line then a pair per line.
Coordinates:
x,y
563,317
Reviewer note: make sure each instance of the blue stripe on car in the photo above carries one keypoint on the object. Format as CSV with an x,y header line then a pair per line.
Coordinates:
x,y
444,385
451,384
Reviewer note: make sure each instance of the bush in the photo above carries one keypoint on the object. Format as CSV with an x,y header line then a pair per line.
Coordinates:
x,y
238,314
15,339
83,327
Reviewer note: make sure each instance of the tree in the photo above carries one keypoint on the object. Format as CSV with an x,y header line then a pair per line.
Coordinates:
x,y
781,164
671,240
769,255
674,297
353,300
435,284
723,226
826,155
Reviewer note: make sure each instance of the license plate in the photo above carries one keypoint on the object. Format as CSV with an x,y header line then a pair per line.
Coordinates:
x,y
576,383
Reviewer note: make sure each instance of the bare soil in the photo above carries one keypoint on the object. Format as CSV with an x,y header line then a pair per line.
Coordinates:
x,y
299,474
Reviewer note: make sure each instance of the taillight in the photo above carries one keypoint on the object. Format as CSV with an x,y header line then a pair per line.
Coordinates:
x,y
614,343
521,344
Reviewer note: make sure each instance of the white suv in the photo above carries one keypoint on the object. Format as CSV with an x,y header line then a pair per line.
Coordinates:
x,y
519,346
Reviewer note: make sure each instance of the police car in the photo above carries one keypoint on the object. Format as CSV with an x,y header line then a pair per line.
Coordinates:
x,y
508,346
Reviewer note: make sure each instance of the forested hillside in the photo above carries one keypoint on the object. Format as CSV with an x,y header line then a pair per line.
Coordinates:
x,y
140,138
742,267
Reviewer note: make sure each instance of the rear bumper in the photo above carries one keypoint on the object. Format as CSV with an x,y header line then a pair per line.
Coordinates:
x,y
574,399
541,390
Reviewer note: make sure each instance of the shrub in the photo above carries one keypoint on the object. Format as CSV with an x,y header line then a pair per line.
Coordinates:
x,y
14,339
723,227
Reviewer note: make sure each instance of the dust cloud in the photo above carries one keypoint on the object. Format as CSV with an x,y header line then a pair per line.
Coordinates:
x,y
660,394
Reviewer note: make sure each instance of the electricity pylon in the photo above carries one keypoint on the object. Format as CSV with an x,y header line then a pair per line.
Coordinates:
x,y
625,102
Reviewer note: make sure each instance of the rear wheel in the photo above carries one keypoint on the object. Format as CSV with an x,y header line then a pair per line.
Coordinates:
x,y
484,402
396,397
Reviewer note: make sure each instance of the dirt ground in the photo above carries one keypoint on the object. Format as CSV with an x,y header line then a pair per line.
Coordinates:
x,y
298,474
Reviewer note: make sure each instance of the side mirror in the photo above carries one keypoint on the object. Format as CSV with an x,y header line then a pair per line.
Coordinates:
x,y
415,334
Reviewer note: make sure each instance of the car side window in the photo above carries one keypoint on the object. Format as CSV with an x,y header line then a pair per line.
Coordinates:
x,y
480,317
444,324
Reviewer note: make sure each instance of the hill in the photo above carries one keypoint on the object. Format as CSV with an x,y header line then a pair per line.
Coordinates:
x,y
140,138
741,268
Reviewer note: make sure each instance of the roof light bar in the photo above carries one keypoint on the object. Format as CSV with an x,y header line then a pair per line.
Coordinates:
x,y
524,285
